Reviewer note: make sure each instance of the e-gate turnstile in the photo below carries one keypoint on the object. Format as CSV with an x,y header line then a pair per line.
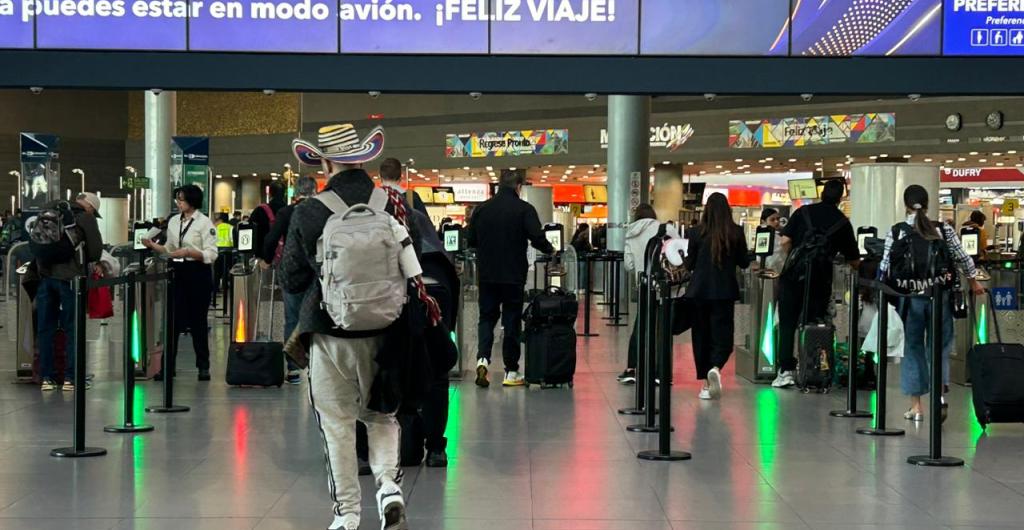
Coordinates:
x,y
21,314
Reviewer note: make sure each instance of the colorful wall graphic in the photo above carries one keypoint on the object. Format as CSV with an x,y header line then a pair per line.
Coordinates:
x,y
870,128
507,143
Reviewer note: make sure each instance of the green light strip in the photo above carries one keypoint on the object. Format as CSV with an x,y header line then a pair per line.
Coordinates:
x,y
768,336
136,339
982,331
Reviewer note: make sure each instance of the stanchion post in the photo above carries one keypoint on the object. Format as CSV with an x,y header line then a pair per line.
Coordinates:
x,y
664,452
128,425
853,353
78,448
615,266
587,300
934,457
641,346
646,377
883,370
170,352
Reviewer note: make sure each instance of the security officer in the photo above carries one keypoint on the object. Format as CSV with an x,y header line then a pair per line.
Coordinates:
x,y
225,245
192,249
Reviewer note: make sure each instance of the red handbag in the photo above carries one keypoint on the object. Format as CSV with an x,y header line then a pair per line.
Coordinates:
x,y
101,301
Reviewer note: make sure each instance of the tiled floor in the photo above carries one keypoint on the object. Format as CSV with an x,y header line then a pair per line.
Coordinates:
x,y
520,459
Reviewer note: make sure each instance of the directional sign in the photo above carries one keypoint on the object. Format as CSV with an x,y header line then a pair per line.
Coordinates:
x,y
1010,206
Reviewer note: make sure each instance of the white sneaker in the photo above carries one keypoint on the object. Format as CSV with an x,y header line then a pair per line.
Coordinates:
x,y
704,394
349,521
481,373
513,378
391,507
784,379
48,385
715,383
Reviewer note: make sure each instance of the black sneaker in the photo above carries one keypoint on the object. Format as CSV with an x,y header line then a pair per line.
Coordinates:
x,y
204,375
437,459
627,377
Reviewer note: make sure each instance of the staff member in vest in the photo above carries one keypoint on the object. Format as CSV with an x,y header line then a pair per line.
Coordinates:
x,y
192,248
225,244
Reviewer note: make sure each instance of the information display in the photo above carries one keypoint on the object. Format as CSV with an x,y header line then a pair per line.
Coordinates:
x,y
300,26
855,27
414,26
451,239
245,239
764,240
803,189
714,27
983,27
969,241
564,27
111,24
16,26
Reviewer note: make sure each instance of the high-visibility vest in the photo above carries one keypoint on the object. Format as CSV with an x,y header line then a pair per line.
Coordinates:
x,y
224,235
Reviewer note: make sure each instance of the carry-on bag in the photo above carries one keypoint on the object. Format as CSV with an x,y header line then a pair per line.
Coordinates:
x,y
816,346
997,378
550,354
257,363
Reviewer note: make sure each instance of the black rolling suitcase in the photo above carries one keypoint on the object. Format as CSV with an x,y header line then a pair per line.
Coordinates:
x,y
550,338
997,379
816,355
257,363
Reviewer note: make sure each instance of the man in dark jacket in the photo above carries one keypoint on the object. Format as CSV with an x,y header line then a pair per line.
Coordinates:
x,y
305,187
263,220
343,364
391,176
55,298
500,230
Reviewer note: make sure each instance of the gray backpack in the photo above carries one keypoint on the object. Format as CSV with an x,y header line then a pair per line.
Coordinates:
x,y
361,280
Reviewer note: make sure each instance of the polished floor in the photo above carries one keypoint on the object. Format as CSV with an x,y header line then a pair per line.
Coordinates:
x,y
520,459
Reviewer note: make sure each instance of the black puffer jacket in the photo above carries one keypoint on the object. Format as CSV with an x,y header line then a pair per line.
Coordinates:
x,y
500,230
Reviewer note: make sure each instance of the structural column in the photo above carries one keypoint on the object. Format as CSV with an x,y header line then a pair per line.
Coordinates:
x,y
876,192
543,200
628,155
668,191
161,122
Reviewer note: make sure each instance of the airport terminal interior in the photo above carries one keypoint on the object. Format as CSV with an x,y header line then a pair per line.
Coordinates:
x,y
519,457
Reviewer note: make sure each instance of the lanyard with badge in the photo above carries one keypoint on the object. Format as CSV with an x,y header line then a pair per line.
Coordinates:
x,y
182,230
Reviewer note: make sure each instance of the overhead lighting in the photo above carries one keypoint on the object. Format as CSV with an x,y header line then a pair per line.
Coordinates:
x,y
792,170
413,170
884,155
1000,164
597,165
434,170
689,163
255,174
949,160
747,172
983,160
873,157
973,153
512,169
961,159
997,154
719,166
739,160
768,159
791,160
219,176
702,172
491,173
652,169
235,175
490,168
547,171
572,167
465,168
907,157
768,166
818,164
665,162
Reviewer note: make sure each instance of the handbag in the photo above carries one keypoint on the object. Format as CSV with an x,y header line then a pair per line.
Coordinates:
x,y
682,315
101,302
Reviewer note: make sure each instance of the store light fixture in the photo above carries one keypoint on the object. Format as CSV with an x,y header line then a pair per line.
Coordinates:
x,y
768,159
927,159
689,163
490,168
235,175
818,164
973,153
739,160
997,154
719,166
949,160
983,160
1011,152
572,167
546,171
434,171
791,160
1000,164
767,166
218,176
465,168
873,157
665,162
961,159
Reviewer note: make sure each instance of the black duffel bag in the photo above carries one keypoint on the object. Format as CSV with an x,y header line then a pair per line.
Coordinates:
x,y
552,306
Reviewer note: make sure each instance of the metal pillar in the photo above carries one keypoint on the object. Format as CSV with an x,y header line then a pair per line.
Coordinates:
x,y
161,120
628,153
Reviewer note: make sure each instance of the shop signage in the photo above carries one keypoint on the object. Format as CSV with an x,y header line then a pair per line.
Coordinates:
x,y
507,143
835,129
470,192
134,183
671,137
1010,207
190,161
634,190
40,170
983,27
977,174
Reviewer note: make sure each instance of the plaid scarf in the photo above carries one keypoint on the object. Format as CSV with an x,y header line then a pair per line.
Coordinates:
x,y
433,310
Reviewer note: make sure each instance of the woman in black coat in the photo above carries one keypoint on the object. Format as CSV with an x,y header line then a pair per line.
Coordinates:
x,y
717,249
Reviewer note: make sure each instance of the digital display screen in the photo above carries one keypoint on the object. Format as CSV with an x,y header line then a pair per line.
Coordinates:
x,y
300,26
137,236
862,240
803,189
245,239
564,27
451,240
974,27
714,27
969,241
113,25
763,243
554,236
16,27
443,196
420,26
856,27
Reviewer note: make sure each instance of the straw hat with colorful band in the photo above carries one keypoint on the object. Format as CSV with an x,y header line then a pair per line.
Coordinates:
x,y
340,144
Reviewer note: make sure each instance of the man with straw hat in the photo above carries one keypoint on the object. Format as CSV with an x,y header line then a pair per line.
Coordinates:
x,y
343,363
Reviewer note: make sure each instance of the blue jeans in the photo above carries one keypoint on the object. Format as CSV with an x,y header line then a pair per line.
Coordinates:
x,y
915,371
55,305
292,307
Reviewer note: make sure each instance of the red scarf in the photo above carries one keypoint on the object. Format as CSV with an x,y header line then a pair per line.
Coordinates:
x,y
433,310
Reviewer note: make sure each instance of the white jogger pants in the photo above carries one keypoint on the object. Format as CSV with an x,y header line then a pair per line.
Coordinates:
x,y
341,373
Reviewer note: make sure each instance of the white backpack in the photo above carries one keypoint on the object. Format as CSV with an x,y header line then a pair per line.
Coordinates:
x,y
361,279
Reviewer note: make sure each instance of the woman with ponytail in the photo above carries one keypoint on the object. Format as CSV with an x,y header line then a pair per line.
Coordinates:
x,y
917,312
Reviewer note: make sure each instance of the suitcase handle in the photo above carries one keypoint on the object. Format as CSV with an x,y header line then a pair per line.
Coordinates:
x,y
995,317
259,299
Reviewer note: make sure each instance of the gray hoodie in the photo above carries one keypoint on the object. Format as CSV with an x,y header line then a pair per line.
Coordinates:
x,y
638,234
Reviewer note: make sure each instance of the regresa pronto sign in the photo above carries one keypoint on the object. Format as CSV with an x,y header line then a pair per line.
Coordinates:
x,y
871,128
507,143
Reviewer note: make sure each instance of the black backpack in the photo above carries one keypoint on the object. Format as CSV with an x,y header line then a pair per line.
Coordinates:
x,y
52,235
915,263
811,253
